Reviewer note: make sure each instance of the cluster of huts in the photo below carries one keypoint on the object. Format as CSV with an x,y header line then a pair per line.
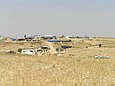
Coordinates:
x,y
50,38
42,50
25,38
31,51
34,51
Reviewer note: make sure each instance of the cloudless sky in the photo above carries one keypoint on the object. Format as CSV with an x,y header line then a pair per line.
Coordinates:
x,y
57,17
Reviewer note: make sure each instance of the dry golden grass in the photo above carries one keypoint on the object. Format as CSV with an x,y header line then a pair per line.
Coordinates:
x,y
76,67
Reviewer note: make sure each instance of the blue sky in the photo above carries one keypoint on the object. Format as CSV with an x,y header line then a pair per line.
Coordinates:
x,y
79,17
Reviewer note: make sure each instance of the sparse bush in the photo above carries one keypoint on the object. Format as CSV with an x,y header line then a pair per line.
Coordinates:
x,y
20,50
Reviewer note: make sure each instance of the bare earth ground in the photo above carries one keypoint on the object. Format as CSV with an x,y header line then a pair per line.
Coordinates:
x,y
76,67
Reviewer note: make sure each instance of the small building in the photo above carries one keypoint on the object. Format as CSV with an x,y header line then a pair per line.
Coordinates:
x,y
44,47
29,51
48,37
72,36
29,38
20,39
36,38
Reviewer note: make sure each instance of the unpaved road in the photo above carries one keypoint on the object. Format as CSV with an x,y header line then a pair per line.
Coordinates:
x,y
52,49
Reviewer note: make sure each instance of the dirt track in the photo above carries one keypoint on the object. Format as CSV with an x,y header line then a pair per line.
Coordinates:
x,y
52,49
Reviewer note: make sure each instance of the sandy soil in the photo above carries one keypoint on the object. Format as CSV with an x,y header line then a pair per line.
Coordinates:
x,y
76,67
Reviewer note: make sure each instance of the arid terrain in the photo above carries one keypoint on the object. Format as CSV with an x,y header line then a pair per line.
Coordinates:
x,y
77,66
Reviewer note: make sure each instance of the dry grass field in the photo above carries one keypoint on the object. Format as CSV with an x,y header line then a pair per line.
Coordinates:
x,y
76,67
